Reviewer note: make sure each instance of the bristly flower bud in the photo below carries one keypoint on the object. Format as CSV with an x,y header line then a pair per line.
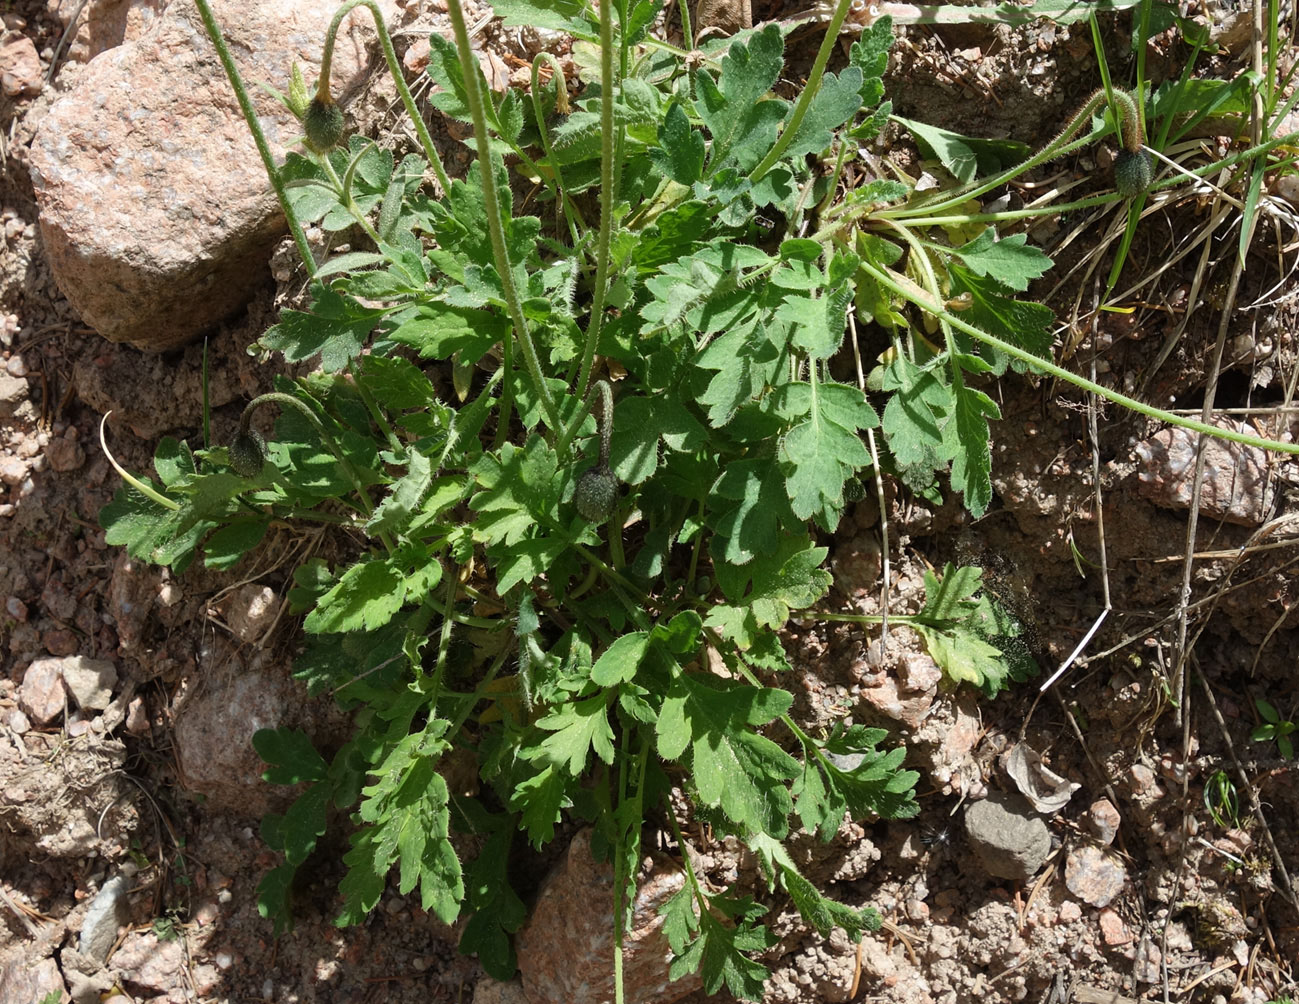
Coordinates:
x,y
247,453
323,124
1133,172
596,494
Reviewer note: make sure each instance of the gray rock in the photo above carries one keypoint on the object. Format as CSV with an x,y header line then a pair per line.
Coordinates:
x,y
566,949
1010,841
155,210
107,911
89,681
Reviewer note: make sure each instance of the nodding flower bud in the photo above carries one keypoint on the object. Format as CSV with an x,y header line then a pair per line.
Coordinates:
x,y
596,494
1133,172
323,124
247,453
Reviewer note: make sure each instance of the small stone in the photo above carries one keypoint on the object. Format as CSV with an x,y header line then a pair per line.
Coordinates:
x,y
251,610
490,991
1093,875
15,366
41,696
60,641
65,455
12,470
16,609
106,912
1113,930
90,681
1009,839
1069,911
417,57
1103,820
137,719
19,722
20,68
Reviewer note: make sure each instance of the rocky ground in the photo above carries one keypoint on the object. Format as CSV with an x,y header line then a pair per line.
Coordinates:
x,y
1065,851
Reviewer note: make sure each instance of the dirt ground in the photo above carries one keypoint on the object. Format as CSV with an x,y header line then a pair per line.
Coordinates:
x,y
1205,912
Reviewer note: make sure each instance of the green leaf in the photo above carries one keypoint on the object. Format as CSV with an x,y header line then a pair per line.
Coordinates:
x,y
1025,324
225,547
848,774
837,101
618,663
957,628
822,913
576,729
436,330
541,798
824,450
572,16
963,156
680,153
368,595
407,809
708,720
639,426
966,439
919,408
498,911
292,757
718,950
787,577
335,329
1011,261
405,497
741,118
748,505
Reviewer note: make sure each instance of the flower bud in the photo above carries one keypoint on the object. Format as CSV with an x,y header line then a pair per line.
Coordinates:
x,y
596,494
1133,172
247,453
323,124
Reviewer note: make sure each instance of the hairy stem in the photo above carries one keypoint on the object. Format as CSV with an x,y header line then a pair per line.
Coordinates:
x,y
259,137
887,279
810,90
606,196
394,68
495,227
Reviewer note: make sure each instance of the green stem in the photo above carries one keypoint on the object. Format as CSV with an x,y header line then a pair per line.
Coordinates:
x,y
376,412
259,137
1044,366
343,187
394,68
810,90
495,227
277,397
557,74
605,236
606,421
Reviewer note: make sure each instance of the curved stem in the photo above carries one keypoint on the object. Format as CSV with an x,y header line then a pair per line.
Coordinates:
x,y
810,90
495,228
282,399
606,197
259,137
394,68
144,489
606,421
886,279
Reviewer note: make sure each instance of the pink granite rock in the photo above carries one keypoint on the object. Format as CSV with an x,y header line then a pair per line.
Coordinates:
x,y
155,209
20,67
566,950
